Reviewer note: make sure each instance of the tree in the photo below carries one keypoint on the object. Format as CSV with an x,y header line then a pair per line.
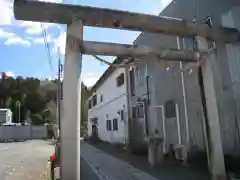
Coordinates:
x,y
51,95
3,90
33,97
34,102
37,119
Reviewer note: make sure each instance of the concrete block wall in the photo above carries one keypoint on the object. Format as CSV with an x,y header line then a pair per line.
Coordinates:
x,y
22,132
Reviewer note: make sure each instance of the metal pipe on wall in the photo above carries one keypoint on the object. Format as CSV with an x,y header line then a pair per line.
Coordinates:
x,y
178,124
184,96
129,106
163,128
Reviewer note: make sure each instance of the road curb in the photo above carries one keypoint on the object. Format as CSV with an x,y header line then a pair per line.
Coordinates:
x,y
95,169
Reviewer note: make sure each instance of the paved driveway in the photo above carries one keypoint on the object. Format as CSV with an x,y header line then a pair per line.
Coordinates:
x,y
24,160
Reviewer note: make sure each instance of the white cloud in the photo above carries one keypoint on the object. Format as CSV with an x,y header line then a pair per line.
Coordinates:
x,y
90,74
10,74
54,1
6,12
40,40
34,28
5,34
7,17
59,43
17,40
90,81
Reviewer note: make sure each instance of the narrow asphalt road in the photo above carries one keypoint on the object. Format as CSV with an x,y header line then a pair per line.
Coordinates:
x,y
86,172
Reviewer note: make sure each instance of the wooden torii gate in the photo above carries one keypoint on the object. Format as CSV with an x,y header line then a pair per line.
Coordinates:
x,y
76,17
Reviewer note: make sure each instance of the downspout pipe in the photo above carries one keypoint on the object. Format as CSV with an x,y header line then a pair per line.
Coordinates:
x,y
184,97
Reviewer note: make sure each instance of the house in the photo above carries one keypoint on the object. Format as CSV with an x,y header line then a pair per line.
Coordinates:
x,y
107,113
165,100
5,116
171,104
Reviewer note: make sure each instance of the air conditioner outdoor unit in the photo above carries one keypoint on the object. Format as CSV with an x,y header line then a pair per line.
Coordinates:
x,y
181,152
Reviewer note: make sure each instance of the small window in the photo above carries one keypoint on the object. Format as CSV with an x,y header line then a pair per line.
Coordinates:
x,y
132,82
94,120
115,124
94,100
120,80
89,103
101,98
109,125
170,111
189,44
122,114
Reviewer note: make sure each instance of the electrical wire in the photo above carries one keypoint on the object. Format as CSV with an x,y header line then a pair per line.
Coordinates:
x,y
49,57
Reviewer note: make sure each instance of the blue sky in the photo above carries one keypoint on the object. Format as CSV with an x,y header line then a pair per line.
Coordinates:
x,y
22,47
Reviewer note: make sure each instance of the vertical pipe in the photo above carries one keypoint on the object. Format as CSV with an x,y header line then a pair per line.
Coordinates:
x,y
184,96
70,123
178,124
59,91
145,117
129,107
164,129
147,84
19,113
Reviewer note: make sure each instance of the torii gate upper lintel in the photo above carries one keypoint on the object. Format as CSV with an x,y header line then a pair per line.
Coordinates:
x,y
78,16
30,10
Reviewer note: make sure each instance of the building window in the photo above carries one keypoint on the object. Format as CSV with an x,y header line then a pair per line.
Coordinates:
x,y
115,124
101,97
89,103
94,120
189,43
120,80
122,114
170,111
109,125
132,82
94,100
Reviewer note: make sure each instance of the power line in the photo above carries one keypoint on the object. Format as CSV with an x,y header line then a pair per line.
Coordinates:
x,y
47,48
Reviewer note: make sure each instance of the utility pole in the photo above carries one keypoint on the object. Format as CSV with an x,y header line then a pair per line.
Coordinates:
x,y
59,91
18,105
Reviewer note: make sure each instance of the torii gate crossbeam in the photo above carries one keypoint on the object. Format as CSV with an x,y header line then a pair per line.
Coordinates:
x,y
78,16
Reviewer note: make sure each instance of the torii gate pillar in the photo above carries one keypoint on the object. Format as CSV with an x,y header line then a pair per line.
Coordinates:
x,y
212,133
70,124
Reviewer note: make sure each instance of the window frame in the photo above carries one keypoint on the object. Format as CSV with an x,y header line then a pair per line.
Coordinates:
x,y
90,103
115,124
109,125
120,80
101,97
94,100
122,114
170,111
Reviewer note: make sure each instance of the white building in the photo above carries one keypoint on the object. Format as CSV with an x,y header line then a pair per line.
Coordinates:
x,y
5,116
108,107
